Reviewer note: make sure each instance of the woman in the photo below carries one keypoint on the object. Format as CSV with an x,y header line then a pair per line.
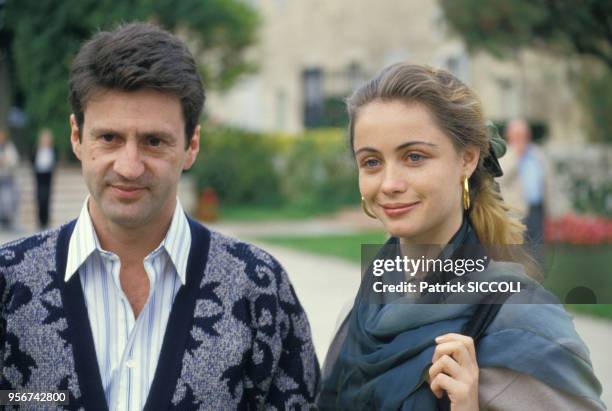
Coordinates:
x,y
427,162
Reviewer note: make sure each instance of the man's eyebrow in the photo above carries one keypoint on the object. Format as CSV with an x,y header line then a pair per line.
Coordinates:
x,y
102,130
398,148
96,131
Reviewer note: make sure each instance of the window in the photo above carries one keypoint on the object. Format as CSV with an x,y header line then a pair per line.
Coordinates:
x,y
312,81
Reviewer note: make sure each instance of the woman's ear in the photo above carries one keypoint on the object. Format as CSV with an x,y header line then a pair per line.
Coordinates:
x,y
469,159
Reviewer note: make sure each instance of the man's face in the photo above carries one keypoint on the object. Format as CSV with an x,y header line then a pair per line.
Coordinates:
x,y
518,136
132,152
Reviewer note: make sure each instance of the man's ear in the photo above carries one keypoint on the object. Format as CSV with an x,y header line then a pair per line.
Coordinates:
x,y
75,140
193,149
469,158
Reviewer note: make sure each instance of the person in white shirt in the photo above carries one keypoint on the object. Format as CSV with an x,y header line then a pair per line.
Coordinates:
x,y
44,160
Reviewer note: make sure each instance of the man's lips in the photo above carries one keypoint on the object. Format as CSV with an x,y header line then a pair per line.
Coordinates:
x,y
127,191
397,209
126,188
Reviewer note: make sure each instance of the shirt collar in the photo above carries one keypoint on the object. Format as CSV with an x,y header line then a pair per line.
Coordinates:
x,y
84,241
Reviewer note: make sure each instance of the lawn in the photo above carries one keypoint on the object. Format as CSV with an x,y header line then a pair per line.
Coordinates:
x,y
347,246
266,212
589,266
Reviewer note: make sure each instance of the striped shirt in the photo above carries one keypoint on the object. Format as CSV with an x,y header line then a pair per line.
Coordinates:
x,y
127,349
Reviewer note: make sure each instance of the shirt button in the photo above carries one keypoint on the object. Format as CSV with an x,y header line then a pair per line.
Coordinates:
x,y
130,363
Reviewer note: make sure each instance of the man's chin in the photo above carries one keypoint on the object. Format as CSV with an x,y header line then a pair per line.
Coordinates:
x,y
127,217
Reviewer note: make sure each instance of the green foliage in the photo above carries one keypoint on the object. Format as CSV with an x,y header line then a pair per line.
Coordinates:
x,y
584,29
589,197
47,34
596,97
239,166
500,26
310,172
320,172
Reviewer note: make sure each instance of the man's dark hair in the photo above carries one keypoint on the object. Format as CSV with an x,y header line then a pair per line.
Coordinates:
x,y
137,56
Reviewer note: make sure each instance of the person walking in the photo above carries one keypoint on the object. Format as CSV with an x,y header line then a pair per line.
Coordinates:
x,y
44,160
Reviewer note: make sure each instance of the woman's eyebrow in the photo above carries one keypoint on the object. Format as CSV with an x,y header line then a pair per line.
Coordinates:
x,y
413,143
370,149
398,148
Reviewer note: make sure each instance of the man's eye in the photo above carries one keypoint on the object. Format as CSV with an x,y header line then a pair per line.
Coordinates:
x,y
108,138
154,141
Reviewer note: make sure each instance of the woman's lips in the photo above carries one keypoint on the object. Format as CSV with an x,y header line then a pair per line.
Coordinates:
x,y
397,209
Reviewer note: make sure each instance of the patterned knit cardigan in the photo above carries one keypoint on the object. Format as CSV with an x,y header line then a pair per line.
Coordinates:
x,y
237,336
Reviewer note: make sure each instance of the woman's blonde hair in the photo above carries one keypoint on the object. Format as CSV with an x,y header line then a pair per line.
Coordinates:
x,y
458,112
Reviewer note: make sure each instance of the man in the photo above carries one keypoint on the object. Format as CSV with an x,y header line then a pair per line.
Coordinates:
x,y
528,183
134,305
43,162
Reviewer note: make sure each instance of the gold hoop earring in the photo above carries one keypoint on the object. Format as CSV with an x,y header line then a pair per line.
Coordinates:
x,y
466,194
365,209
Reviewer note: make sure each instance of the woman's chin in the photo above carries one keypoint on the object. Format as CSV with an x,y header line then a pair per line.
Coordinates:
x,y
401,231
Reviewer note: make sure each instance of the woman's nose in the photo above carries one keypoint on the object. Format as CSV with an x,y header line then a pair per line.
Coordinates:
x,y
394,181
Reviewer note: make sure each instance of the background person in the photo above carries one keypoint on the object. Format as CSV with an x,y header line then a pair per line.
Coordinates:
x,y
44,160
528,182
9,195
427,163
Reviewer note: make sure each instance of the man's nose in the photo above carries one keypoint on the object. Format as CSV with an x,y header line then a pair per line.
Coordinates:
x,y
128,163
394,181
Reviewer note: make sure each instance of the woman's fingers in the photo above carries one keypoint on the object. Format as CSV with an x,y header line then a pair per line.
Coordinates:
x,y
454,349
448,366
468,342
455,370
443,383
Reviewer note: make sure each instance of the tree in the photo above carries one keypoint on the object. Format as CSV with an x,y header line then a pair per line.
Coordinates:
x,y
570,27
47,34
498,26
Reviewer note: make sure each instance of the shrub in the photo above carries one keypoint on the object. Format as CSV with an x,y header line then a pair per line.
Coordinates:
x,y
319,173
239,166
313,171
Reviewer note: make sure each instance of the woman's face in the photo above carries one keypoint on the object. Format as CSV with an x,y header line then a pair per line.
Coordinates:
x,y
410,174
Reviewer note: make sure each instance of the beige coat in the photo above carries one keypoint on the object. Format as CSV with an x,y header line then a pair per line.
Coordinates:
x,y
555,203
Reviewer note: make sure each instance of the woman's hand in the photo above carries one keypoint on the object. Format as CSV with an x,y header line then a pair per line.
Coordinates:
x,y
455,371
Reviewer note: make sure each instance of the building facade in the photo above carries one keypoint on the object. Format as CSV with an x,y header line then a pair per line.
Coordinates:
x,y
311,54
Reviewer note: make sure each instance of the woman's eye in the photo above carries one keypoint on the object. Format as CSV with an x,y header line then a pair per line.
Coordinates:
x,y
372,162
415,157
